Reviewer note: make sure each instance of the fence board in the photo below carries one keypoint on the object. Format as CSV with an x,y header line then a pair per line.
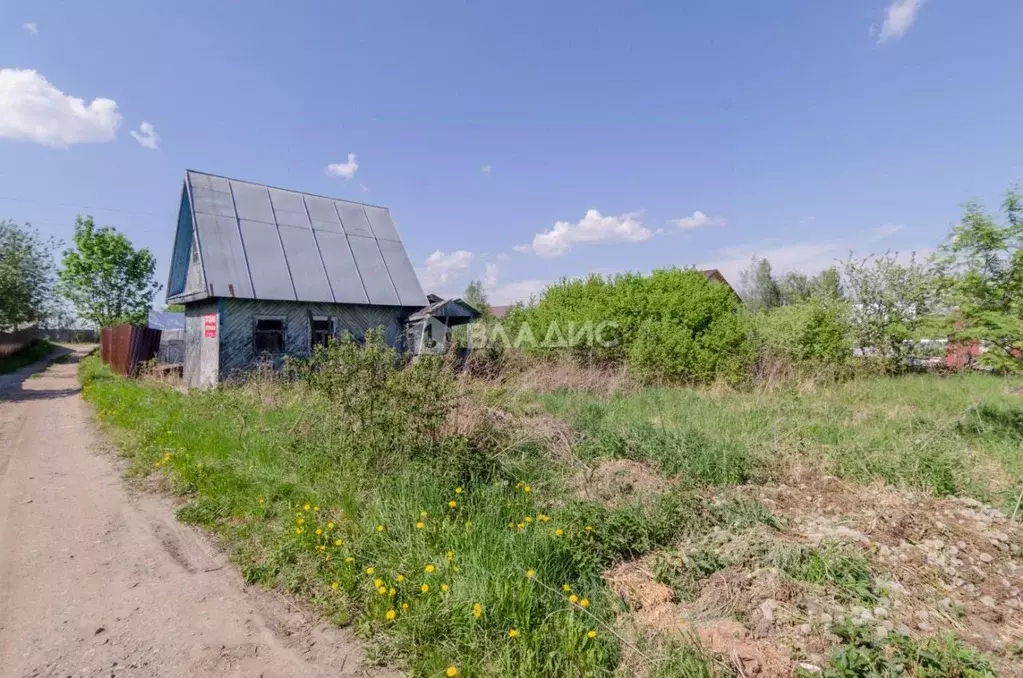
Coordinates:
x,y
125,347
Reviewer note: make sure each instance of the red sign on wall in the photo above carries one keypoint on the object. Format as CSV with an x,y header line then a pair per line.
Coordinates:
x,y
209,325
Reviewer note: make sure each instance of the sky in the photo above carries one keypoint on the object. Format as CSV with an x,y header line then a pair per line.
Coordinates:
x,y
523,142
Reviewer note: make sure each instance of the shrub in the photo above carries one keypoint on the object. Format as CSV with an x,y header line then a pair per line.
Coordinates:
x,y
813,335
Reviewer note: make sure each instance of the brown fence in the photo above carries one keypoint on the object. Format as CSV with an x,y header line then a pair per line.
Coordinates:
x,y
12,342
125,347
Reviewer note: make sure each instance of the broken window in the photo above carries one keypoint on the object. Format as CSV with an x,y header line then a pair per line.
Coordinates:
x,y
322,330
268,335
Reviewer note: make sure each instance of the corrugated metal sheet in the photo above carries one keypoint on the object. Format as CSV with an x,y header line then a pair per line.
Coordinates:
x,y
260,242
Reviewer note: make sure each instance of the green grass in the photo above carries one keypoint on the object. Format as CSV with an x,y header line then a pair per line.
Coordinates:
x,y
34,351
266,469
907,431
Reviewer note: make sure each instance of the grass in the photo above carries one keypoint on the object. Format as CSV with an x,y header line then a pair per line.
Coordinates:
x,y
944,435
470,553
35,350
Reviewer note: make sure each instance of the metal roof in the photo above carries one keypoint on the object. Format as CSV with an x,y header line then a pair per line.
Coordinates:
x,y
261,242
458,309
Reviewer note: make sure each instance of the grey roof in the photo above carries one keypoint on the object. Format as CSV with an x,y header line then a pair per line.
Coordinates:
x,y
260,242
450,309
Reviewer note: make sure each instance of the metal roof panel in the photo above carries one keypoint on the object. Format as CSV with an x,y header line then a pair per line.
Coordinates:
x,y
381,222
373,271
252,202
341,270
223,256
353,218
410,292
304,256
270,276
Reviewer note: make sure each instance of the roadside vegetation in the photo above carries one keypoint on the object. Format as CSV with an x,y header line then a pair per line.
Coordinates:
x,y
35,350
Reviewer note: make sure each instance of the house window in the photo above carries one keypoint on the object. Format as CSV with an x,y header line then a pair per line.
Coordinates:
x,y
322,329
268,335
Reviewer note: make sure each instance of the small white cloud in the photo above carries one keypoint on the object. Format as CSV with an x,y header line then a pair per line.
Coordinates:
x,y
490,276
592,228
521,290
32,109
899,16
886,231
503,256
487,169
30,28
439,268
698,220
146,136
343,169
522,249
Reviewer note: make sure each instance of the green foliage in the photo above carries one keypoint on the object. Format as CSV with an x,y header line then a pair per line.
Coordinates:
x,y
672,325
863,655
758,287
26,274
476,296
889,301
106,279
813,334
981,274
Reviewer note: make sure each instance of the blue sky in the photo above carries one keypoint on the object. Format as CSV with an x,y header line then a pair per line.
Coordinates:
x,y
526,141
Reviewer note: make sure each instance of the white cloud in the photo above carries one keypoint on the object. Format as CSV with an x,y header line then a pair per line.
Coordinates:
x,y
487,169
592,228
31,28
522,249
490,275
886,231
31,109
698,220
503,256
343,169
440,268
899,16
521,290
146,136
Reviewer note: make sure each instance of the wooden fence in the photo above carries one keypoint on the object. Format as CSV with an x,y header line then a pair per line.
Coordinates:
x,y
12,342
125,347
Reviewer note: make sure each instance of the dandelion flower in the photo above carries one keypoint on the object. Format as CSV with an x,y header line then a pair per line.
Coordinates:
x,y
424,588
321,547
452,671
572,598
566,588
584,602
316,508
338,542
529,519
444,587
420,525
370,571
300,521
392,592
404,606
513,633
380,528
527,489
391,614
452,504
588,528
334,585
319,531
378,582
298,530
591,634
521,526
399,578
454,568
382,590
559,532
306,507
259,499
451,555
530,574
330,525
458,490
349,559
477,610
423,514
429,568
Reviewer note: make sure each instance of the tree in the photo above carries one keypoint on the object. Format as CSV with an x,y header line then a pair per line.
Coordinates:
x,y
476,296
759,289
980,271
26,274
106,279
827,286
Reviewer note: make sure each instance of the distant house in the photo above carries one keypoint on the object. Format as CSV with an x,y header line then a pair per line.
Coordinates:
x,y
712,274
264,271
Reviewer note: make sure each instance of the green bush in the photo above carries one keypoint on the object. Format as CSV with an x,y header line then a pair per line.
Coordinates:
x,y
673,324
812,335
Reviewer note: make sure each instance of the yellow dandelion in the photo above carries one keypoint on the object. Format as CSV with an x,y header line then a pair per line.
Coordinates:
x,y
458,490
321,547
584,602
259,499
378,582
591,634
298,530
423,514
454,568
444,587
559,532
380,528
527,489
382,590
319,531
573,598
338,542
306,507
300,521
451,555
370,571
330,525
588,528
429,568
316,508
424,588
349,559
529,519
521,526
334,585
391,614
530,573
420,525
404,606
566,588
477,610
452,671
399,578
513,633
392,592
452,504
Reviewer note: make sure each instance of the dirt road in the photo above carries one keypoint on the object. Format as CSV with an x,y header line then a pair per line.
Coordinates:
x,y
97,581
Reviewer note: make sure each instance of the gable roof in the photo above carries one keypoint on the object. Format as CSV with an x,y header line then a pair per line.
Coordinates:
x,y
260,242
454,311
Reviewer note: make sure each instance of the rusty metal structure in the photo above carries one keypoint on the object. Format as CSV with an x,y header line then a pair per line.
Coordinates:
x,y
125,347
